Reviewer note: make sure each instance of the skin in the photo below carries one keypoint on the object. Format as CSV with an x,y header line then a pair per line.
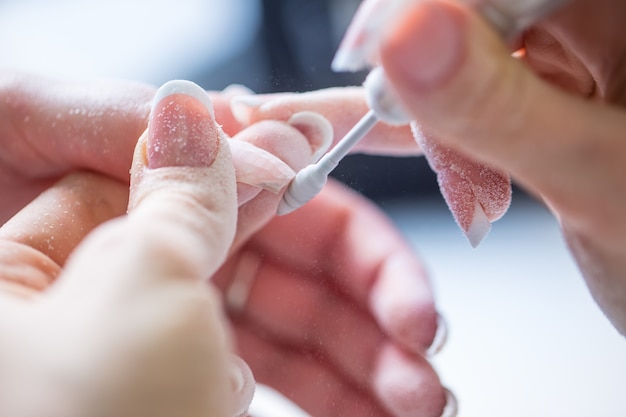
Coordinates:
x,y
554,120
67,246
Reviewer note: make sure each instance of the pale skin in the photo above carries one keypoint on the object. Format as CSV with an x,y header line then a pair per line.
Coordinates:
x,y
78,295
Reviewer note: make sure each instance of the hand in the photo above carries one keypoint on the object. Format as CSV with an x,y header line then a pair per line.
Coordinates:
x,y
337,321
548,128
476,193
332,308
50,128
36,243
123,324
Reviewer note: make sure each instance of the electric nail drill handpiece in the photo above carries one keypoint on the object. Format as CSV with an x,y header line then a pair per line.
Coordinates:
x,y
507,17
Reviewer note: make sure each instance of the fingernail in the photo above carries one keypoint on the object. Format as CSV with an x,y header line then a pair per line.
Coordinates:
x,y
317,129
441,336
242,382
236,90
258,167
359,48
453,176
425,46
242,107
246,193
182,130
478,227
451,409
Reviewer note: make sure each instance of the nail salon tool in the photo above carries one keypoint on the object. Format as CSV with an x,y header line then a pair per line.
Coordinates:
x,y
507,17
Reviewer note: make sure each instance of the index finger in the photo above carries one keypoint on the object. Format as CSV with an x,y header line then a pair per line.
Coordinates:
x,y
50,127
364,258
343,107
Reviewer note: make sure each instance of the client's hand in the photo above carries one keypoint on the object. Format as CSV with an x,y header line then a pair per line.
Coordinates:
x,y
55,128
123,324
333,309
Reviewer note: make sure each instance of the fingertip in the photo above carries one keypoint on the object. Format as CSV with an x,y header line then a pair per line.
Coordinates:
x,y
426,46
243,386
402,302
408,386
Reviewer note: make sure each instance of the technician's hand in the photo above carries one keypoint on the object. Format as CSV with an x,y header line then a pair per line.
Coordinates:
x,y
126,325
542,119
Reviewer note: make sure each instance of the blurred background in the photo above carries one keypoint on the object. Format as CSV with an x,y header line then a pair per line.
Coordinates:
x,y
526,338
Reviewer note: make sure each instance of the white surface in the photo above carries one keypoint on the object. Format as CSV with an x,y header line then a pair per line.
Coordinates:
x,y
526,338
147,40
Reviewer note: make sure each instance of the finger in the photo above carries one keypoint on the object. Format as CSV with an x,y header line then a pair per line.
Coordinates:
x,y
293,310
404,386
343,107
222,105
295,142
37,241
59,218
458,80
310,384
182,207
51,126
298,310
243,386
592,52
476,194
331,239
139,279
382,275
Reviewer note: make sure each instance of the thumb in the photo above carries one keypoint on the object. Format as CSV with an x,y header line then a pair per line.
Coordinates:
x,y
182,209
457,78
130,315
183,179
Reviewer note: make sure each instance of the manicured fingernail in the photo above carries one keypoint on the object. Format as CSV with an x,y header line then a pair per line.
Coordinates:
x,y
236,90
441,336
451,409
425,46
182,130
477,227
243,106
359,46
242,382
317,129
246,193
258,167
